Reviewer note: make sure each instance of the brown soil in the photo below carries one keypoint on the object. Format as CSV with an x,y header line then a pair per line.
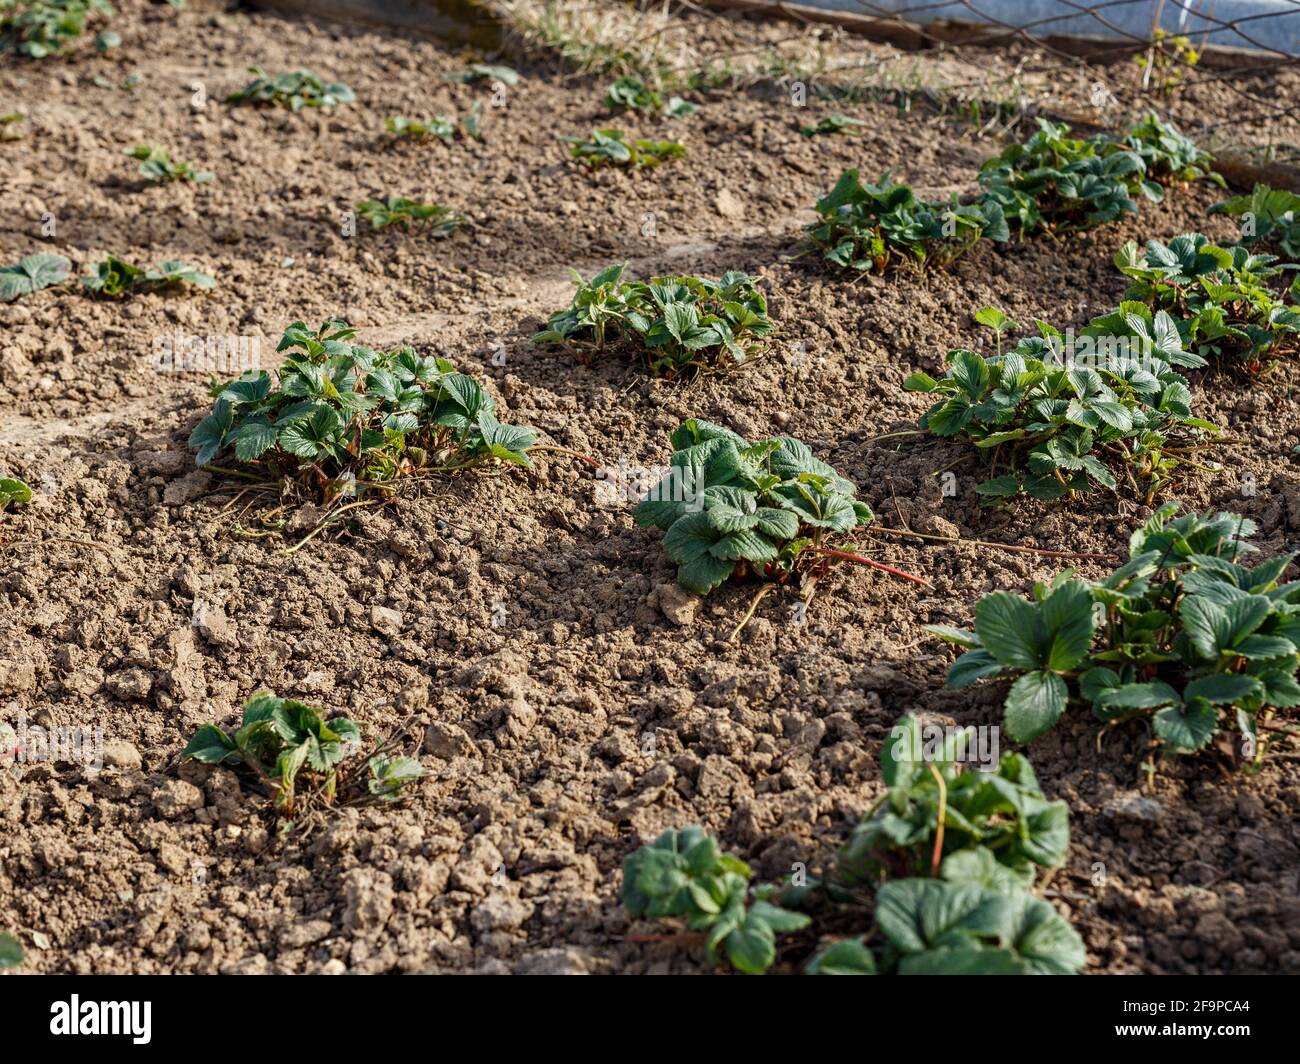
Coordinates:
x,y
531,652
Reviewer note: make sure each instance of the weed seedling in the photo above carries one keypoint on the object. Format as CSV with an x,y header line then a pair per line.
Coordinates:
x,y
404,212
300,758
295,90
156,165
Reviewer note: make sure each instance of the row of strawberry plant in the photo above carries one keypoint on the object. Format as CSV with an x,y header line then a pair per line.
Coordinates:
x,y
111,277
1052,182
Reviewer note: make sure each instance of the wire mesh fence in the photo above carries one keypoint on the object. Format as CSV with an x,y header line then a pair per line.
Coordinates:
x,y
1226,70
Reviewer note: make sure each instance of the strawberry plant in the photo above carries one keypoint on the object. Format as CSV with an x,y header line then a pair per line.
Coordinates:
x,y
114,277
1221,298
609,147
1167,155
1060,184
442,126
31,274
486,72
288,744
156,165
684,875
940,927
1052,420
39,28
1268,216
939,816
972,842
865,226
632,94
403,212
13,492
729,508
680,323
295,90
10,125
1182,634
835,123
343,418
11,951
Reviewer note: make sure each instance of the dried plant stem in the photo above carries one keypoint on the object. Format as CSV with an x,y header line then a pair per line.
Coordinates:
x,y
996,546
564,450
762,593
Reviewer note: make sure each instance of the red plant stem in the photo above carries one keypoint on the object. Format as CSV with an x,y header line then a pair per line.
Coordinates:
x,y
873,563
564,450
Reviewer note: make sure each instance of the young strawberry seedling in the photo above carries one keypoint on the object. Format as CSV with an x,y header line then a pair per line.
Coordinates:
x,y
403,212
156,165
609,147
31,274
39,28
871,227
508,76
13,493
300,758
730,509
11,125
338,420
1052,420
683,875
1182,635
441,126
835,123
680,324
1060,184
1222,298
295,90
114,277
1168,156
1268,216
632,94
11,951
